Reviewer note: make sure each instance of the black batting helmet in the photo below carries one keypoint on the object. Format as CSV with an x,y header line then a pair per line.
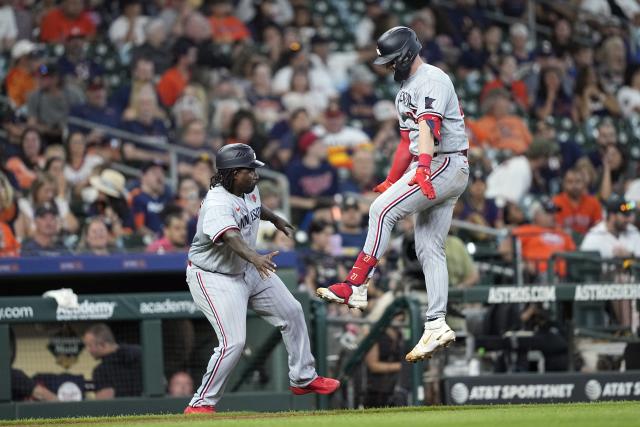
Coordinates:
x,y
399,46
237,156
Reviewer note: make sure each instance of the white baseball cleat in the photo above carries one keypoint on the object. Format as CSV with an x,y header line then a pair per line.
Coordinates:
x,y
437,334
344,293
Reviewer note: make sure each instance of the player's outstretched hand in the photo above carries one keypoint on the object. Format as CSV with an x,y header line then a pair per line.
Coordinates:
x,y
284,226
383,186
423,179
265,265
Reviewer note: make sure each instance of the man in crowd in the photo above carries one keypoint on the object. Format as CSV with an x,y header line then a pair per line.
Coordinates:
x,y
119,373
616,236
540,240
45,240
174,235
150,199
578,210
350,228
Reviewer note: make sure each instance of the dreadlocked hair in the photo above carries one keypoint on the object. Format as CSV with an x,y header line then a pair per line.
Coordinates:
x,y
224,177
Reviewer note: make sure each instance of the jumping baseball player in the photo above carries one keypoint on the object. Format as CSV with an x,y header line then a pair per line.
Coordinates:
x,y
428,174
226,275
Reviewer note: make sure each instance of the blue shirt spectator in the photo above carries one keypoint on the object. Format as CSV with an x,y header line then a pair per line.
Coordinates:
x,y
149,201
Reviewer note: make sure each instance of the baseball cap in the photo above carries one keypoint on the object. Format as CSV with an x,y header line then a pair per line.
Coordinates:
x,y
22,48
349,201
478,174
360,73
96,82
46,208
306,140
48,70
151,164
545,204
319,38
617,204
333,112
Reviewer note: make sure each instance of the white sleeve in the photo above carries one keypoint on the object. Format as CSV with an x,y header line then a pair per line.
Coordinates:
x,y
9,26
282,80
118,30
592,243
217,220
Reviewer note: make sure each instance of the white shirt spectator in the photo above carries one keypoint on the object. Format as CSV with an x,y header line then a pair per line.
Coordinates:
x,y
348,137
8,27
120,28
364,32
319,80
596,8
314,102
283,13
337,67
510,180
629,100
76,176
601,240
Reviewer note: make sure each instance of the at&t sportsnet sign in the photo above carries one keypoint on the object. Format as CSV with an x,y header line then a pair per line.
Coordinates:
x,y
546,388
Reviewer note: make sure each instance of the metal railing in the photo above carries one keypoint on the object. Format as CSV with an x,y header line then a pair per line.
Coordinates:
x,y
162,142
499,234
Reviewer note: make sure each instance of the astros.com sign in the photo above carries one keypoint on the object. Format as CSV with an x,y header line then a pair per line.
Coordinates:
x,y
536,388
591,292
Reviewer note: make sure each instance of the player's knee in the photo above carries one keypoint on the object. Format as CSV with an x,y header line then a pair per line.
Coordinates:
x,y
431,248
235,346
375,210
293,312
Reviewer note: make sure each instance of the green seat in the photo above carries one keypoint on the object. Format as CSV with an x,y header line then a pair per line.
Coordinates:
x,y
289,277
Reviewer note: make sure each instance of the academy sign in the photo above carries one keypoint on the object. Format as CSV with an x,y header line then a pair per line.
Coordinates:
x,y
87,310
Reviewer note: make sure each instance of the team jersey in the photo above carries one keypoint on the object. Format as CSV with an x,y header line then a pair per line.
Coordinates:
x,y
429,95
220,212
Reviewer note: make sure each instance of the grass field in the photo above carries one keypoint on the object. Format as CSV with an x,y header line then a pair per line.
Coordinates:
x,y
609,414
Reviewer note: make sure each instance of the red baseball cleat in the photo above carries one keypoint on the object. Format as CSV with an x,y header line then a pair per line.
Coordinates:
x,y
200,410
320,385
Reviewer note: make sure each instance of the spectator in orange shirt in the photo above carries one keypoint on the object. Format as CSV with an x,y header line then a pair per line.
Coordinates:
x,y
9,246
579,211
499,128
176,78
539,240
62,20
20,81
225,27
507,80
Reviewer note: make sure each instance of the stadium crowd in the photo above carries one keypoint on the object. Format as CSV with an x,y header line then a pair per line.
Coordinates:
x,y
553,119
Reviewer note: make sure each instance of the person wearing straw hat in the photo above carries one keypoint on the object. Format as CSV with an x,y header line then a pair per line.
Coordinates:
x,y
106,195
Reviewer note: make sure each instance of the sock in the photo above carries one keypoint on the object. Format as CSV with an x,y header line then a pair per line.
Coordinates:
x,y
361,268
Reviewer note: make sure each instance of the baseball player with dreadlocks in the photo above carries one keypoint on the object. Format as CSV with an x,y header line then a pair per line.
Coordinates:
x,y
226,275
428,174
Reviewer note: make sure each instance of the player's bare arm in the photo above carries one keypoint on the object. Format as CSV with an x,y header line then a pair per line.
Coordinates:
x,y
280,223
263,263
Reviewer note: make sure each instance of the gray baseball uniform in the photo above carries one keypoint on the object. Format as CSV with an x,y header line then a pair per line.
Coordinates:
x,y
223,285
427,94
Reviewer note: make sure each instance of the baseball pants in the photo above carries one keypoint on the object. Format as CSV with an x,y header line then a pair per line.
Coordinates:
x,y
224,300
450,173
